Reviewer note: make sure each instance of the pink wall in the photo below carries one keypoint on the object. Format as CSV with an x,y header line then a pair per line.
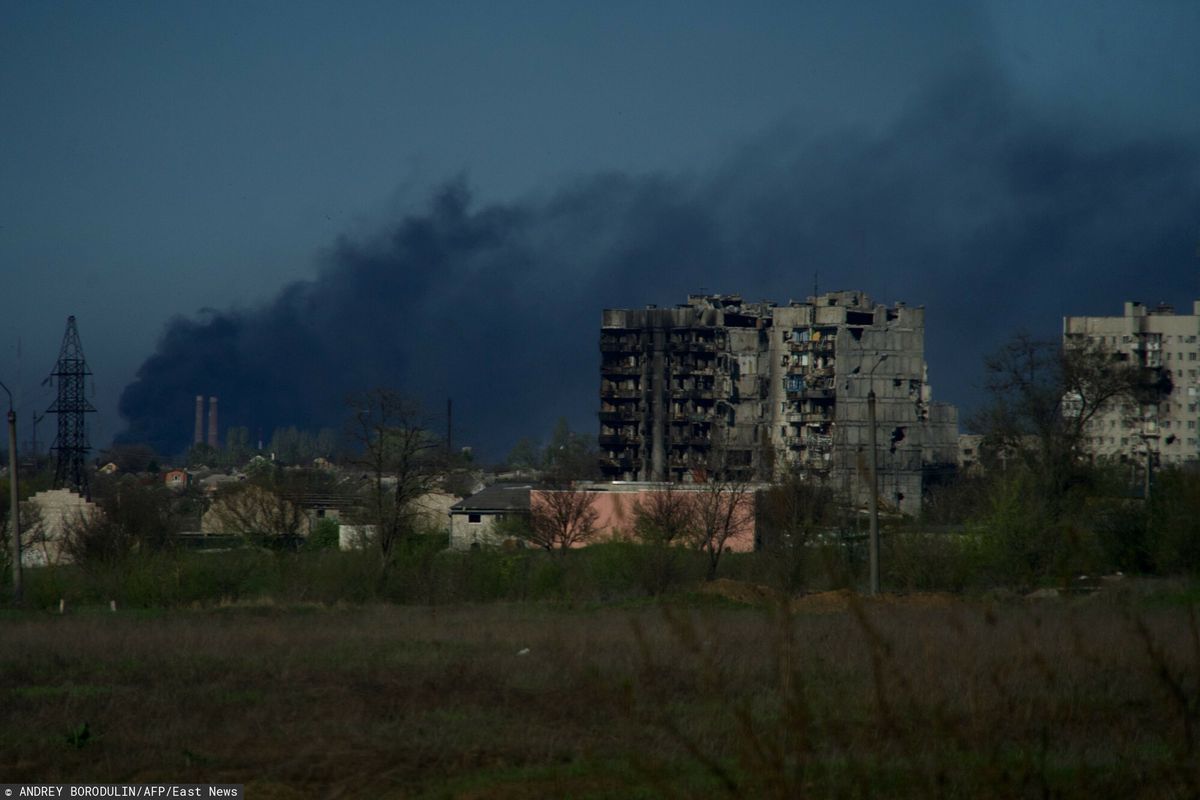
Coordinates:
x,y
616,515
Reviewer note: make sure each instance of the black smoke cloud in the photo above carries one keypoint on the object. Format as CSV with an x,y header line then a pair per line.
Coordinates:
x,y
993,216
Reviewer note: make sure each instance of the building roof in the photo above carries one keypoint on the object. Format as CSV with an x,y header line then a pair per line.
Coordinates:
x,y
497,497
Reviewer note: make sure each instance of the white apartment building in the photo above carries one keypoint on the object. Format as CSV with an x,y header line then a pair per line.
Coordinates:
x,y
1152,338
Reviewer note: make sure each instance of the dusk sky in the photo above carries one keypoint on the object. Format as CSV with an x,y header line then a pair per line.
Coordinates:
x,y
279,203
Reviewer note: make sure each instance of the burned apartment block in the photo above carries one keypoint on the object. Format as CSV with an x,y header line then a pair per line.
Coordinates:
x,y
1166,345
756,389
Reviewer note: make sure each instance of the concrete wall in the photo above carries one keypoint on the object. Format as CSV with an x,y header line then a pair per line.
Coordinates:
x,y
355,537
57,511
616,509
465,534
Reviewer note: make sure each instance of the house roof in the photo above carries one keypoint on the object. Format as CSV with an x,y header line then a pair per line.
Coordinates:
x,y
497,497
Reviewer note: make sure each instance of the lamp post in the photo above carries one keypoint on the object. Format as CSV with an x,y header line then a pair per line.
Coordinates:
x,y
873,541
14,507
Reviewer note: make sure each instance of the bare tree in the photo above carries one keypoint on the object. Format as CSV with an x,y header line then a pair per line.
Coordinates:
x,y
664,520
402,457
723,503
132,517
724,510
790,514
1045,394
32,532
261,513
561,518
665,516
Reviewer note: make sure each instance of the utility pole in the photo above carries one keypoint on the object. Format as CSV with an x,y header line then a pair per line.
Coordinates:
x,y
14,498
873,543
1146,437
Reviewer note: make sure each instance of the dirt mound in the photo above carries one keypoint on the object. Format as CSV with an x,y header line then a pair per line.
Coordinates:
x,y
754,594
922,599
842,599
825,602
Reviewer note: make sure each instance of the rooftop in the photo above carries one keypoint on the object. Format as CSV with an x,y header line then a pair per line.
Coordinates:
x,y
497,497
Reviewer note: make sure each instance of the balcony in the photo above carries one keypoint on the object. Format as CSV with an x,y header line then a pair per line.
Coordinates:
x,y
808,417
693,347
610,392
622,463
617,439
814,346
618,415
691,441
619,346
688,369
620,369
706,393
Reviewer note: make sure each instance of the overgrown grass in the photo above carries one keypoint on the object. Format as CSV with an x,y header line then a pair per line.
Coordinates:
x,y
422,572
872,699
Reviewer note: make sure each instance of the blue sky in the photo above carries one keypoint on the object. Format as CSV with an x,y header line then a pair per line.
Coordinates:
x,y
162,158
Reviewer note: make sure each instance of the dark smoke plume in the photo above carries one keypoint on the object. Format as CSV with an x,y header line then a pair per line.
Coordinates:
x,y
992,216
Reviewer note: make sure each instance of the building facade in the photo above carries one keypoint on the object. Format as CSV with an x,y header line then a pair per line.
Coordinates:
x,y
1152,338
616,505
755,389
473,519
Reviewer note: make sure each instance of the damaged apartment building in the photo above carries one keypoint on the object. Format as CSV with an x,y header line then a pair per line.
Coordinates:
x,y
756,389
1165,344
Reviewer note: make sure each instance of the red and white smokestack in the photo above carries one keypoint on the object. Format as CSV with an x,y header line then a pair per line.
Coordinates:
x,y
213,440
198,437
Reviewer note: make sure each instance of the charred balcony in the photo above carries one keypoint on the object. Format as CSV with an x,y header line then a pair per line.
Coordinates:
x,y
619,369
620,344
625,413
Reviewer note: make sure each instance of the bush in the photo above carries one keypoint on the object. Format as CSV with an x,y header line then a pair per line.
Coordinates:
x,y
919,561
1173,533
323,536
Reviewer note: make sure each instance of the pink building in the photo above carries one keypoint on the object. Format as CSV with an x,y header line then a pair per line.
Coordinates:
x,y
616,507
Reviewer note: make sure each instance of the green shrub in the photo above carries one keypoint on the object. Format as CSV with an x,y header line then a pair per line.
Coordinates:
x,y
323,536
1173,535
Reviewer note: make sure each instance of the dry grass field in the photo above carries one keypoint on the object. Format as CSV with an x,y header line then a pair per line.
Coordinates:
x,y
926,696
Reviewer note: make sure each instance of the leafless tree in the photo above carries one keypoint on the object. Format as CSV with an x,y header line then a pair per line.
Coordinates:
x,y
128,517
261,513
790,514
32,535
665,516
724,509
723,505
402,459
663,520
561,518
1045,394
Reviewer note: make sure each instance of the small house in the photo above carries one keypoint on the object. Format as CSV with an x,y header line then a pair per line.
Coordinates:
x,y
473,519
176,479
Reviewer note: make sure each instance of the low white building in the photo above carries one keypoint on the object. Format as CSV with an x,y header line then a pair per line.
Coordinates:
x,y
55,513
473,519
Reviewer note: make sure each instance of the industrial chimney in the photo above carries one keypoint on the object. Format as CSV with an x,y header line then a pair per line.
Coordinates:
x,y
213,440
198,437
